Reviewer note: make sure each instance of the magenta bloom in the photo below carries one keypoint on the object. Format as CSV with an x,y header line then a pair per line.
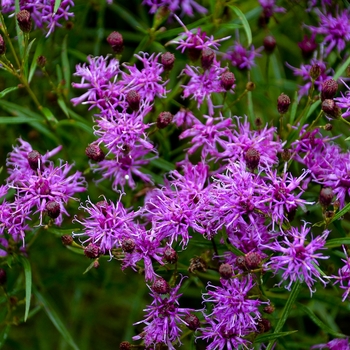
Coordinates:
x,y
241,57
335,29
298,258
269,7
163,320
343,277
187,6
344,101
335,344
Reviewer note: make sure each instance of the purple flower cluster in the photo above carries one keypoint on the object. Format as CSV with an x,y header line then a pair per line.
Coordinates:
x,y
187,7
42,12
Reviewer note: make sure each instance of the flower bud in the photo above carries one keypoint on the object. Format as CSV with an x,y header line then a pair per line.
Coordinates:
x,y
283,103
66,240
92,251
307,46
197,264
227,80
94,152
250,86
286,154
263,326
34,160
128,245
331,109
194,53
240,261
192,322
167,60
258,122
269,309
328,127
2,46
164,119
133,99
207,58
329,89
96,264
3,277
326,196
170,255
252,158
226,271
24,21
53,209
315,71
252,260
161,286
115,40
124,345
269,44
41,61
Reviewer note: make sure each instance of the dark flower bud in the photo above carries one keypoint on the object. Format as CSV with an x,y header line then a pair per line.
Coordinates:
x,y
164,119
161,286
24,21
269,44
53,209
96,264
283,103
263,326
307,46
192,322
329,89
67,239
133,99
252,260
269,309
286,154
258,122
328,127
167,60
115,40
128,245
124,345
94,152
226,271
102,205
252,158
250,86
240,261
41,61
3,277
331,109
197,264
207,58
2,46
92,251
170,255
227,80
34,160
315,71
326,196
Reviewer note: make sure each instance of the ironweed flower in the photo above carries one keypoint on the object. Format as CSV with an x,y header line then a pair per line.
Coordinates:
x,y
336,29
298,258
335,344
241,57
269,7
187,6
163,319
343,277
344,101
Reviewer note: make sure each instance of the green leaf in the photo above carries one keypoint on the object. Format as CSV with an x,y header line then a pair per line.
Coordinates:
x,y
272,336
341,213
342,69
162,164
74,123
245,23
337,242
230,246
57,5
318,322
7,90
16,120
55,319
128,17
37,53
63,106
28,279
49,116
285,313
65,66
4,334
19,111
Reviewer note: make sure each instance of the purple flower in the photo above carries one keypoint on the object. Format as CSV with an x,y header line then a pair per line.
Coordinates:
x,y
42,12
147,81
343,277
208,135
203,83
241,57
269,7
96,78
187,6
234,314
335,344
107,225
304,72
344,101
184,118
299,258
163,320
336,29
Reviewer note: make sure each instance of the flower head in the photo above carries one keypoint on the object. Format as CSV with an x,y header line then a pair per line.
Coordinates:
x,y
241,57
